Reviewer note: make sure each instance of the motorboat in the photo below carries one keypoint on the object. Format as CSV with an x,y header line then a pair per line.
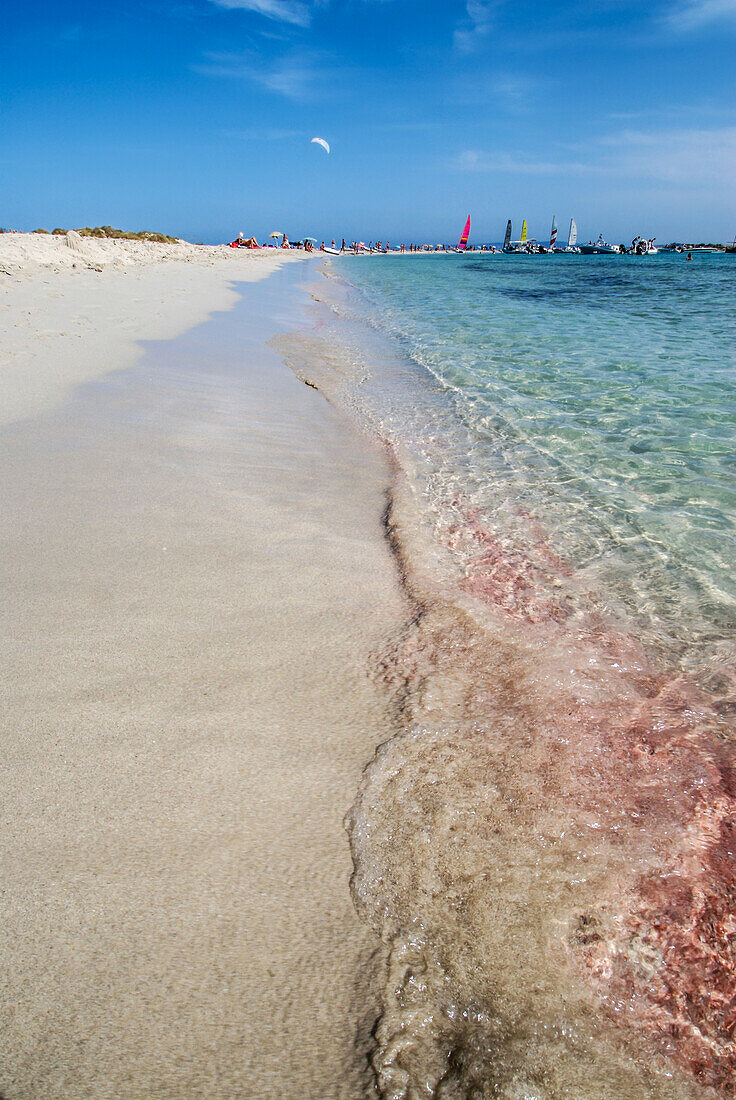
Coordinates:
x,y
640,246
600,248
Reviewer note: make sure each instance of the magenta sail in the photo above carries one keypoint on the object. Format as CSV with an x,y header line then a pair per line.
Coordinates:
x,y
463,242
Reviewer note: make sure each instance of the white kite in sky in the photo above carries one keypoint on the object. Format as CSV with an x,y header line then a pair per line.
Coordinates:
x,y
321,141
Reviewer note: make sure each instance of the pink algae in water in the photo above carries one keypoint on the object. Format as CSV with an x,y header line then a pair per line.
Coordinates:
x,y
665,947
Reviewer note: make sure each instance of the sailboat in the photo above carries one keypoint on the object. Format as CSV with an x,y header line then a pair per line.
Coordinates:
x,y
572,238
552,238
731,247
522,245
462,244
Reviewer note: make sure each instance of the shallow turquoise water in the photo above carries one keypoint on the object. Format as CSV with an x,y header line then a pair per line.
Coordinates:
x,y
593,394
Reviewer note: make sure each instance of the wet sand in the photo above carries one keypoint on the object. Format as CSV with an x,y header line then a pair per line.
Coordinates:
x,y
196,578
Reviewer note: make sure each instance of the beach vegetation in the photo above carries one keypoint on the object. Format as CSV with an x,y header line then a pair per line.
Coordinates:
x,y
110,233
41,231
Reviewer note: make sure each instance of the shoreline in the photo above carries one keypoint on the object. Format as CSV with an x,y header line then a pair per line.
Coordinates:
x,y
197,578
534,805
75,311
466,714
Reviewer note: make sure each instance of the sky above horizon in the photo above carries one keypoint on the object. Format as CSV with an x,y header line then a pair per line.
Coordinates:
x,y
195,117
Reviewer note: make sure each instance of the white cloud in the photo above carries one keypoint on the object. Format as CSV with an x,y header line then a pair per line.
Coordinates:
x,y
690,14
478,25
293,76
471,160
297,12
687,160
286,11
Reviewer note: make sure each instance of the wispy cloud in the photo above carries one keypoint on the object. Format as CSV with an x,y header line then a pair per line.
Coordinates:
x,y
688,160
270,134
477,26
294,75
690,14
298,74
473,160
297,12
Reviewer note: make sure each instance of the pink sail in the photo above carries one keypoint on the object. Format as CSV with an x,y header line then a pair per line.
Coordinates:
x,y
463,242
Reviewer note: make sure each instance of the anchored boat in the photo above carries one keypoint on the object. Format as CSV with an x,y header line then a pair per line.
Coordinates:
x,y
552,238
523,245
600,248
462,244
640,246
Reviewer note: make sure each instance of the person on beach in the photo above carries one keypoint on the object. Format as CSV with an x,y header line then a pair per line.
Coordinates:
x,y
285,242
342,246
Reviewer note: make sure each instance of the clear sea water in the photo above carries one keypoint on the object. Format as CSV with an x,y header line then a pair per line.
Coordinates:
x,y
545,841
596,394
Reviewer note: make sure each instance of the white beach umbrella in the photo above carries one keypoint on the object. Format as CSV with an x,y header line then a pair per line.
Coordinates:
x,y
276,233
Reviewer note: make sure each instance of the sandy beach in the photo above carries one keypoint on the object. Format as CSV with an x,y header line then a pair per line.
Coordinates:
x,y
73,308
195,580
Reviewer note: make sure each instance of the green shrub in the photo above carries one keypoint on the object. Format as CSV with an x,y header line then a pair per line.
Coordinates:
x,y
58,232
107,231
41,231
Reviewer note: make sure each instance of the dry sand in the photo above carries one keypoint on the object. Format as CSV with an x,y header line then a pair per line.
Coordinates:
x,y
194,577
72,308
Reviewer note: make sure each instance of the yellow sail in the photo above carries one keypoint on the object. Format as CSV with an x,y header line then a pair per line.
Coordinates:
x,y
523,232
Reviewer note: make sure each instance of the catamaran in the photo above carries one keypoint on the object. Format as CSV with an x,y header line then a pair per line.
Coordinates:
x,y
572,239
462,244
522,245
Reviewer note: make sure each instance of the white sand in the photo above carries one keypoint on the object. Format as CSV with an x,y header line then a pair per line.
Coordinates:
x,y
194,577
72,308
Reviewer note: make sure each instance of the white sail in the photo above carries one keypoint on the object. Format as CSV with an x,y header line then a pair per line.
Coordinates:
x,y
572,239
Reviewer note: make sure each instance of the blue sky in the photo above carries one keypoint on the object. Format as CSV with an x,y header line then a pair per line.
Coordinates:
x,y
194,117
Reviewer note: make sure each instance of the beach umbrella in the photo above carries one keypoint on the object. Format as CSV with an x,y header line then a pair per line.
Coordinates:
x,y
321,141
276,234
313,240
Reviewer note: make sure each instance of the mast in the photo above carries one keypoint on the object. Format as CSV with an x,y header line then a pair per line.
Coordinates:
x,y
523,232
553,233
572,238
507,238
463,242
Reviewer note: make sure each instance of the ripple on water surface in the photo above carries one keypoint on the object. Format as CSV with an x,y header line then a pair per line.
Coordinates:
x,y
546,846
